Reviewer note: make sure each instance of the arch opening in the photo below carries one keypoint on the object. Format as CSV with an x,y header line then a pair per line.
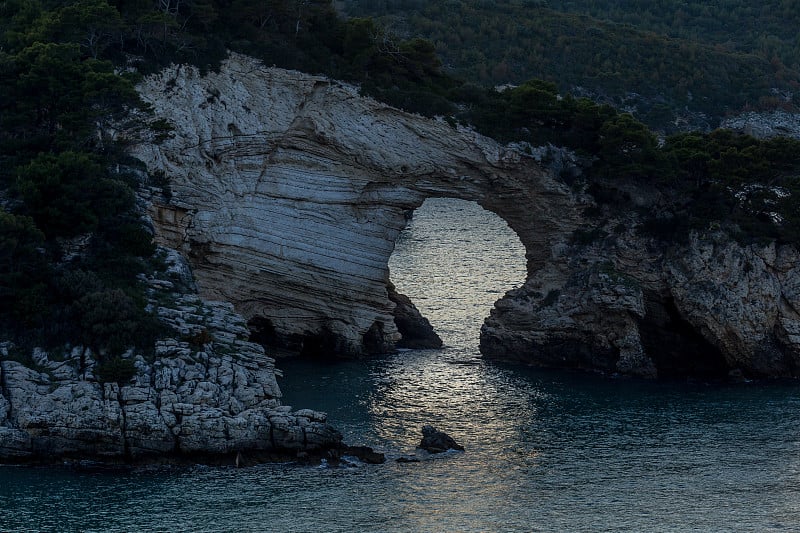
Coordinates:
x,y
454,260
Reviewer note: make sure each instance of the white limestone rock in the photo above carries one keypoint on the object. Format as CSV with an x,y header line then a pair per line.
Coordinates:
x,y
736,299
765,124
289,191
191,402
706,308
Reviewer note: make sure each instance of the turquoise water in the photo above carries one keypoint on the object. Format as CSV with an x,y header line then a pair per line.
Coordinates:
x,y
546,451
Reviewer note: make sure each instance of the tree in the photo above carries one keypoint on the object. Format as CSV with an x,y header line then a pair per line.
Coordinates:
x,y
93,24
67,194
627,148
23,272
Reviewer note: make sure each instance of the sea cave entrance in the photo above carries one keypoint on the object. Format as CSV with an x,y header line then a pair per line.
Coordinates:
x,y
454,260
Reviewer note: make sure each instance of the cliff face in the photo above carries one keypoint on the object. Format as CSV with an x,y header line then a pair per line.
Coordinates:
x,y
709,307
289,191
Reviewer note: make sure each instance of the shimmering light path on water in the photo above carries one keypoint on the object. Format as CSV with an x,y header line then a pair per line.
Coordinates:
x,y
546,451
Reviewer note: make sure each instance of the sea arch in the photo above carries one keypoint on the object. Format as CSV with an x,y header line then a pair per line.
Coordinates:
x,y
454,260
288,192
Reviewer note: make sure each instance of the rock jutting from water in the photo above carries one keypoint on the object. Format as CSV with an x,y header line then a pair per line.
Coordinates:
x,y
288,194
289,191
435,441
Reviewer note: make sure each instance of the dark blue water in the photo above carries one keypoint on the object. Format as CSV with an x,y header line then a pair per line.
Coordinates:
x,y
546,451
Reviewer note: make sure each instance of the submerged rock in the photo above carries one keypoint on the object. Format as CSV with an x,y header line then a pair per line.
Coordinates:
x,y
365,454
435,441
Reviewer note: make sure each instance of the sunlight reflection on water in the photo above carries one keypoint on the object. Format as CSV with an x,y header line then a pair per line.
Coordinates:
x,y
454,260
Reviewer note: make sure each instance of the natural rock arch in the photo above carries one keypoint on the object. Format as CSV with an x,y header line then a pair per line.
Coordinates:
x,y
289,191
452,251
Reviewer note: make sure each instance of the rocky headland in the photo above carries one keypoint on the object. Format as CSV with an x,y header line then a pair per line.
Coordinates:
x,y
289,191
206,394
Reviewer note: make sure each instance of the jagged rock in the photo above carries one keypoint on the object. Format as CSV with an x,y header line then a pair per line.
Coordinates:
x,y
566,327
622,305
735,297
289,191
415,330
217,400
435,441
765,124
365,454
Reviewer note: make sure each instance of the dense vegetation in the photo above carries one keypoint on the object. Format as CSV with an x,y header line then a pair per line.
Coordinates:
x,y
63,187
655,57
72,243
719,179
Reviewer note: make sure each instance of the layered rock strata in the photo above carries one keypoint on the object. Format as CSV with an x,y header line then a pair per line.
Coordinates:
x,y
207,394
289,191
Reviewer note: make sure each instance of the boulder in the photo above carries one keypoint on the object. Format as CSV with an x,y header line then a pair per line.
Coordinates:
x,y
435,441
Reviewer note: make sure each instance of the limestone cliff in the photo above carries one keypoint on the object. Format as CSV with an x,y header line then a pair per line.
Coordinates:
x,y
629,305
287,194
289,191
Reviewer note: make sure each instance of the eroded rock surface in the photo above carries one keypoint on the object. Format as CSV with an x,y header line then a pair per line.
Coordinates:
x,y
767,124
435,441
206,394
289,191
627,305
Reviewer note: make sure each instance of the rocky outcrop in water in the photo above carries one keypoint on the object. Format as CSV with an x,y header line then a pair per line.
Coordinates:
x,y
415,330
709,307
289,191
435,441
206,395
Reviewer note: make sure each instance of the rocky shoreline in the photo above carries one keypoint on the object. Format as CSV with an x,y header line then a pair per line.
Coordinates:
x,y
288,192
205,395
707,308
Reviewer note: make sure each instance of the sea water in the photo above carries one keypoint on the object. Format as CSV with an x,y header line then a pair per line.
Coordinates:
x,y
545,451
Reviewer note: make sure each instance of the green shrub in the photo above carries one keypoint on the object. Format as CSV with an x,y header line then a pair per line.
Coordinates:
x,y
115,370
